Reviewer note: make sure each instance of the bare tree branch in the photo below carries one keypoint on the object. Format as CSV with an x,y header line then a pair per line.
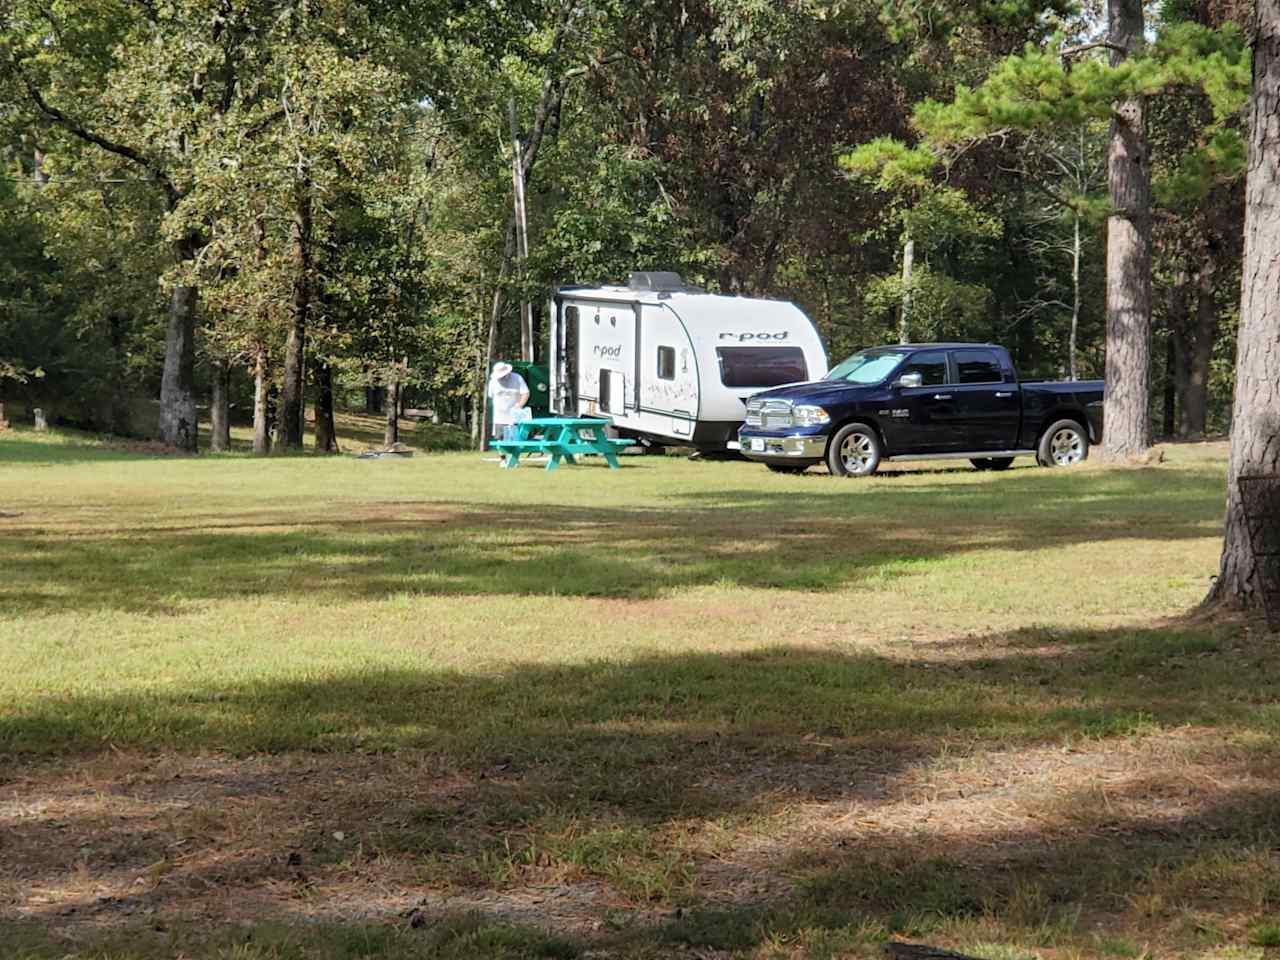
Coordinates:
x,y
75,128
593,65
1084,47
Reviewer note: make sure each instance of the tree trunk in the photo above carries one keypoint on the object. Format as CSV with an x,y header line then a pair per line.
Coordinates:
x,y
1195,409
261,427
1126,413
219,407
289,431
1255,421
326,432
37,169
904,311
177,383
1178,307
391,432
1072,366
1170,391
491,346
522,232
120,413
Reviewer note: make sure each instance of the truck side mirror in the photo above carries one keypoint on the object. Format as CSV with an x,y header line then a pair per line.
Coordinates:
x,y
911,380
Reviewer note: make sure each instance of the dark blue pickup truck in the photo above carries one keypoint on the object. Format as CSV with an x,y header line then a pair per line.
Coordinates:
x,y
922,401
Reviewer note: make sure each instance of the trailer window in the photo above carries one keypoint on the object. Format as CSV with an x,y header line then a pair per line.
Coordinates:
x,y
761,366
666,363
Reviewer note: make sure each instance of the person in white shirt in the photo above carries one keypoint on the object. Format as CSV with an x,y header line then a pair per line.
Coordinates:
x,y
508,394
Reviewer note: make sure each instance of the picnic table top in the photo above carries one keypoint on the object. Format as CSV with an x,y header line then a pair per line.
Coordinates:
x,y
566,421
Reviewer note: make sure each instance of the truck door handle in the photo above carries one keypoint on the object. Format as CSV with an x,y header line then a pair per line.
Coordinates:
x,y
942,396
1004,393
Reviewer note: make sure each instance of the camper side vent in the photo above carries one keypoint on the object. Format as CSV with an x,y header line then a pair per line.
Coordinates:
x,y
658,281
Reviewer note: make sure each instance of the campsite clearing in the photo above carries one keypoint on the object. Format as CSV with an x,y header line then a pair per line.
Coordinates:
x,y
427,707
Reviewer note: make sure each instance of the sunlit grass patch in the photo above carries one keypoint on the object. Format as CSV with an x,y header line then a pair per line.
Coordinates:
x,y
1265,933
622,713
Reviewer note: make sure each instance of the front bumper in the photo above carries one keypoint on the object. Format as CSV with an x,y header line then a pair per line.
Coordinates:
x,y
764,446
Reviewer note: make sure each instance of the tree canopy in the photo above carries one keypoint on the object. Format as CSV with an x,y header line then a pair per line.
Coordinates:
x,y
241,201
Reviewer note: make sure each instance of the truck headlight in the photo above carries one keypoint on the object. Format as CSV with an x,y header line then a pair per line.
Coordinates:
x,y
806,415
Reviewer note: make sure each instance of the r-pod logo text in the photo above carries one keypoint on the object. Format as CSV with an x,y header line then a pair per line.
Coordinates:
x,y
603,351
744,337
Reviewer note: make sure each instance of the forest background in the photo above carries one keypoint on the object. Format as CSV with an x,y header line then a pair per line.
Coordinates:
x,y
242,209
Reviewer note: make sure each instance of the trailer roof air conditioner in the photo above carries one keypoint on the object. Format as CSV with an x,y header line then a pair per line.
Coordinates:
x,y
658,281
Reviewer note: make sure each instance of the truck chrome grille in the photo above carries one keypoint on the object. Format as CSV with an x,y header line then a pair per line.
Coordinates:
x,y
769,414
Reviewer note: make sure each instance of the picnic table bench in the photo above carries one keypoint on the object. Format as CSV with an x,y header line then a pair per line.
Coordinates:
x,y
561,438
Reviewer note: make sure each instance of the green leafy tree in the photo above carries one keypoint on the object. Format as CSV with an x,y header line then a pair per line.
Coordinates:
x,y
149,85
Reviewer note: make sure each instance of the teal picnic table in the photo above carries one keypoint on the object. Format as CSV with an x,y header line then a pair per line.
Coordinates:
x,y
561,438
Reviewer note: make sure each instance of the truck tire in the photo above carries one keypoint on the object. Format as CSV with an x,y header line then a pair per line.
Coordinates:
x,y
992,463
854,451
1064,444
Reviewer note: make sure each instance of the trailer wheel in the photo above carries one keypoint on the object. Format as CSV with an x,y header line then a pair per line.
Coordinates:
x,y
1064,444
787,467
854,451
992,463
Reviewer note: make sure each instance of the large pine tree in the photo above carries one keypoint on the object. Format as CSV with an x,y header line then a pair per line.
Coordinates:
x,y
1255,422
1126,415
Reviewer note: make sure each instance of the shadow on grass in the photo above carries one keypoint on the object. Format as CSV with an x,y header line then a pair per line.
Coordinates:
x,y
470,936
739,537
596,769
1095,683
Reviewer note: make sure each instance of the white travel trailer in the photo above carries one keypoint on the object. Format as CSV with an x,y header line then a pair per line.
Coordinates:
x,y
670,364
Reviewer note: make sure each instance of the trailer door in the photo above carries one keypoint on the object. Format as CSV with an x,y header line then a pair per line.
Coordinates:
x,y
667,372
606,356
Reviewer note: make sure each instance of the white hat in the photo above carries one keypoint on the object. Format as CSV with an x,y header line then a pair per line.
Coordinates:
x,y
501,369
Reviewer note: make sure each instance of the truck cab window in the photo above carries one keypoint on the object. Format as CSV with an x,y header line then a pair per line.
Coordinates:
x,y
932,368
978,366
666,363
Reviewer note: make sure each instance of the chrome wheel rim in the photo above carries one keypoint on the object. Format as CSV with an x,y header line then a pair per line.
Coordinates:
x,y
857,453
1066,447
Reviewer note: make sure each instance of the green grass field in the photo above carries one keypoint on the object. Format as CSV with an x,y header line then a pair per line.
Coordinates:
x,y
333,708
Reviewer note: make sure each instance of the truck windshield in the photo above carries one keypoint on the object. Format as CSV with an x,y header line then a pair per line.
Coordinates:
x,y
870,366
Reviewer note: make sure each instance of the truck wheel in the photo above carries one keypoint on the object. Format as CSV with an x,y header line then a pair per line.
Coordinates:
x,y
1064,444
787,467
854,451
992,463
